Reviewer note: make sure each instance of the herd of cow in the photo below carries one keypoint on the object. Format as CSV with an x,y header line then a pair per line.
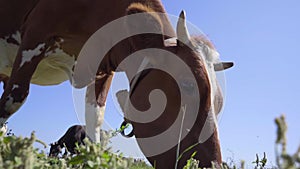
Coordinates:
x,y
40,41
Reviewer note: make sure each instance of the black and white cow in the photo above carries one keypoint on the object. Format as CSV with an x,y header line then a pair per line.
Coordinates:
x,y
75,134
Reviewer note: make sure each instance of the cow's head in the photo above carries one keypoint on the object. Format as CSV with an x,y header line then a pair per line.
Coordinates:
x,y
183,69
55,149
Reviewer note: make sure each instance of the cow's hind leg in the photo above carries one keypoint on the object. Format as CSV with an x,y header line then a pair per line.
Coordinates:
x,y
17,88
95,105
4,80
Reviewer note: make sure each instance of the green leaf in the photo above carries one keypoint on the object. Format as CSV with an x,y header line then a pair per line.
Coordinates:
x,y
7,140
186,150
77,160
90,163
18,161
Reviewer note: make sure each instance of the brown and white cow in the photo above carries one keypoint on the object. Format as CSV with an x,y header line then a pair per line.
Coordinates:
x,y
41,40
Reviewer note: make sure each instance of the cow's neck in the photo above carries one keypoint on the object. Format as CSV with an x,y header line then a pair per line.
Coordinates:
x,y
116,55
125,48
61,141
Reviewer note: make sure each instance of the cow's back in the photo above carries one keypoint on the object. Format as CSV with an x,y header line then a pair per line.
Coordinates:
x,y
74,134
38,21
71,21
13,13
75,21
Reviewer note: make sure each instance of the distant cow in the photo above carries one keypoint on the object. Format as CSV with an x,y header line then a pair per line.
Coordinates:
x,y
75,134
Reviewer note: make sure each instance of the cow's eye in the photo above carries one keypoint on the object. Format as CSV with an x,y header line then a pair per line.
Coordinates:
x,y
187,86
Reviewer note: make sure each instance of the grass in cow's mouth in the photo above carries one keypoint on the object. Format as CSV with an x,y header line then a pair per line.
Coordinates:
x,y
18,152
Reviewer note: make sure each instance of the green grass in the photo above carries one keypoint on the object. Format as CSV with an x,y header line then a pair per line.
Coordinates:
x,y
18,152
283,159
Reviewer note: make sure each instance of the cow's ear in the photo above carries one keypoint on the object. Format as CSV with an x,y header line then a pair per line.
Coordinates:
x,y
222,66
144,26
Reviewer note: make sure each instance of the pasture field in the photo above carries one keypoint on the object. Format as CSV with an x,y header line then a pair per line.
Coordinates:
x,y
18,152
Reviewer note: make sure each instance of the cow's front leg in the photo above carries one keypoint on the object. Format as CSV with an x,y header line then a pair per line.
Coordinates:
x,y
17,87
96,94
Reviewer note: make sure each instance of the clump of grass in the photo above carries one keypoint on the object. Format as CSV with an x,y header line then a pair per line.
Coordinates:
x,y
260,163
18,152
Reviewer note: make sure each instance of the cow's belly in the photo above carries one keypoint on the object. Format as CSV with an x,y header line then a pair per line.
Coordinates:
x,y
53,69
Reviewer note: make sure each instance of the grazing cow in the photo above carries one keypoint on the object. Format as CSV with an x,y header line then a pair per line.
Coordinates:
x,y
40,42
74,134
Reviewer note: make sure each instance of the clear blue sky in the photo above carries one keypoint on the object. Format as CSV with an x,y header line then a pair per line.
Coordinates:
x,y
261,37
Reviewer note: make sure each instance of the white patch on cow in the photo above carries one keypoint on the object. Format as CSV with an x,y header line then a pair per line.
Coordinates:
x,y
15,87
3,126
11,106
8,53
170,42
17,37
3,129
94,116
53,69
210,56
28,55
